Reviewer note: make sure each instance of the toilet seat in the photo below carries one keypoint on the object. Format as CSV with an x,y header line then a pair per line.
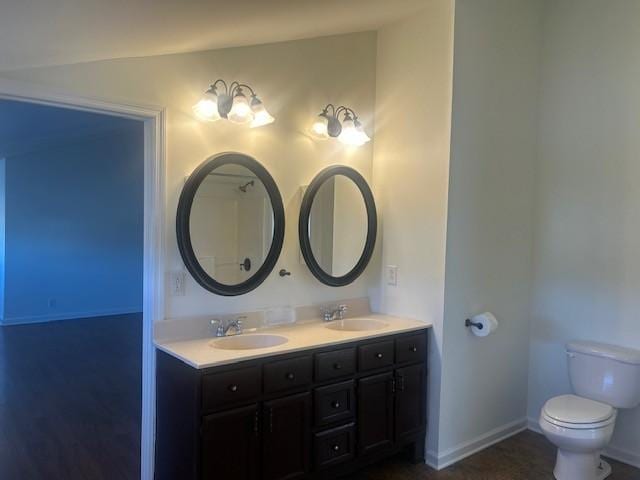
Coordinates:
x,y
577,413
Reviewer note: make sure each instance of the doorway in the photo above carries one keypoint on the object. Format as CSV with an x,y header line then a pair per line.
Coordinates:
x,y
140,340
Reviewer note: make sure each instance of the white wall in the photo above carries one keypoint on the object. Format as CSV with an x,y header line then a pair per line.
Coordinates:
x,y
489,233
295,80
587,229
74,227
411,166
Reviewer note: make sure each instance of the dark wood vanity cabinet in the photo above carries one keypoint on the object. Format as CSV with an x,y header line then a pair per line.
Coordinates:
x,y
286,438
375,417
231,455
321,413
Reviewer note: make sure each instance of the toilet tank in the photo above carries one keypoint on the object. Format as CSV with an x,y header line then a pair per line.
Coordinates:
x,y
606,373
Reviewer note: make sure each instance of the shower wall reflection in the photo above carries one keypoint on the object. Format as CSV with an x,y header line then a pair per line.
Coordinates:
x,y
231,224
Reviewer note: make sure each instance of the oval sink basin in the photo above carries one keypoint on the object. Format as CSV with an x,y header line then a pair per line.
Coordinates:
x,y
248,342
356,324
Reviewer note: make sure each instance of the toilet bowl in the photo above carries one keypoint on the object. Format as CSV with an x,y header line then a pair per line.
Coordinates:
x,y
581,429
604,378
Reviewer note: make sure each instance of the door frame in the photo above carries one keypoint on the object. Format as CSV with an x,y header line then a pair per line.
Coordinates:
x,y
154,118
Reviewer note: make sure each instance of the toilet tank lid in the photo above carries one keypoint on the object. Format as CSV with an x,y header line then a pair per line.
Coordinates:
x,y
614,352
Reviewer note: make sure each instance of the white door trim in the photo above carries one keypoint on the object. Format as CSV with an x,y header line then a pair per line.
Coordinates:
x,y
154,118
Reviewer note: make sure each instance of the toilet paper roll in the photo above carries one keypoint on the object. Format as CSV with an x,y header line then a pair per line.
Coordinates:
x,y
486,324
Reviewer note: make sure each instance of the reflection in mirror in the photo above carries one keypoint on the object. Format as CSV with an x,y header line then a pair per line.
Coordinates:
x,y
231,224
338,225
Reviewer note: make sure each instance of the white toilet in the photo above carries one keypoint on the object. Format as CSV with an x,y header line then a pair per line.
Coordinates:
x,y
604,378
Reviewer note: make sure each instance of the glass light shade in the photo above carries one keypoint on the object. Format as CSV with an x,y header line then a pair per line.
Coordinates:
x,y
260,115
207,108
350,135
240,111
319,129
362,135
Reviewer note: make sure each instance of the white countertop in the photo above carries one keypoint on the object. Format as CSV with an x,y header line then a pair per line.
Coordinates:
x,y
302,336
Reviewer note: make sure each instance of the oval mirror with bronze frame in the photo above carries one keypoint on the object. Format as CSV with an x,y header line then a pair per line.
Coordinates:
x,y
230,224
338,225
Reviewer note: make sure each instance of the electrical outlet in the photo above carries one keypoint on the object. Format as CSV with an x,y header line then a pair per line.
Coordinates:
x,y
177,281
392,275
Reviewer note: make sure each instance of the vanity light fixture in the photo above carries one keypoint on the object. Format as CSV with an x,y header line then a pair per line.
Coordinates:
x,y
230,102
349,131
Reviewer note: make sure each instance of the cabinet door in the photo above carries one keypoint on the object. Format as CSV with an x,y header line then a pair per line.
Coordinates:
x,y
230,445
375,413
410,400
287,437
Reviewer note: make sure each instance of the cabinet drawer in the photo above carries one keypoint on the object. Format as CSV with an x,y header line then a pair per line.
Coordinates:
x,y
334,446
411,349
287,374
334,403
234,387
375,355
335,364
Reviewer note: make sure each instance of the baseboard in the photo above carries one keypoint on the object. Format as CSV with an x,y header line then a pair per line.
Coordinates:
x,y
623,456
431,459
613,452
534,425
69,316
466,449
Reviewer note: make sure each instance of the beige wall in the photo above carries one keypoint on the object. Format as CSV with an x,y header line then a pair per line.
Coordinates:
x,y
295,80
489,238
587,225
411,166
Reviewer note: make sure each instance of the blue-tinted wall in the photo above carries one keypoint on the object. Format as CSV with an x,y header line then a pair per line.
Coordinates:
x,y
2,184
74,228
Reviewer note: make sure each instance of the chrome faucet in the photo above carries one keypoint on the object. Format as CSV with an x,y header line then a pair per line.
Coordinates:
x,y
330,314
222,327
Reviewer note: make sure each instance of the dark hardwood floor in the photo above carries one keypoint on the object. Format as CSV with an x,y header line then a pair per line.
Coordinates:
x,y
526,456
70,399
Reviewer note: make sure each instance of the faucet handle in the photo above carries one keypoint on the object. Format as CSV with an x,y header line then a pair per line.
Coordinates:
x,y
219,326
326,313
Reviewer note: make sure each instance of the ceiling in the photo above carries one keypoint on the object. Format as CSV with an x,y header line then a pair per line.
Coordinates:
x,y
25,125
53,32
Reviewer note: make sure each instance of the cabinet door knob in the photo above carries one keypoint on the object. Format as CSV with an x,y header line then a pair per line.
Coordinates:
x,y
337,366
414,349
233,388
290,376
336,448
335,404
379,355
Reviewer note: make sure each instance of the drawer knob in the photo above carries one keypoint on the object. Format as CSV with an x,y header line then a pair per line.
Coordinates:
x,y
337,366
414,349
233,388
379,355
336,448
290,376
335,404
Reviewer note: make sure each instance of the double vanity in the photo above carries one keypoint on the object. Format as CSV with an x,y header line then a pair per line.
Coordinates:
x,y
315,394
311,400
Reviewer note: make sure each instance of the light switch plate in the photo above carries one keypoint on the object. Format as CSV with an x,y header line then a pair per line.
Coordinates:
x,y
392,275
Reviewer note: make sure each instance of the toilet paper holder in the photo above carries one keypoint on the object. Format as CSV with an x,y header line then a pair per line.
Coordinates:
x,y
470,323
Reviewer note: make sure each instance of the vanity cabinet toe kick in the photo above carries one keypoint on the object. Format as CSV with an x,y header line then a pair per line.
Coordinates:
x,y
319,413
